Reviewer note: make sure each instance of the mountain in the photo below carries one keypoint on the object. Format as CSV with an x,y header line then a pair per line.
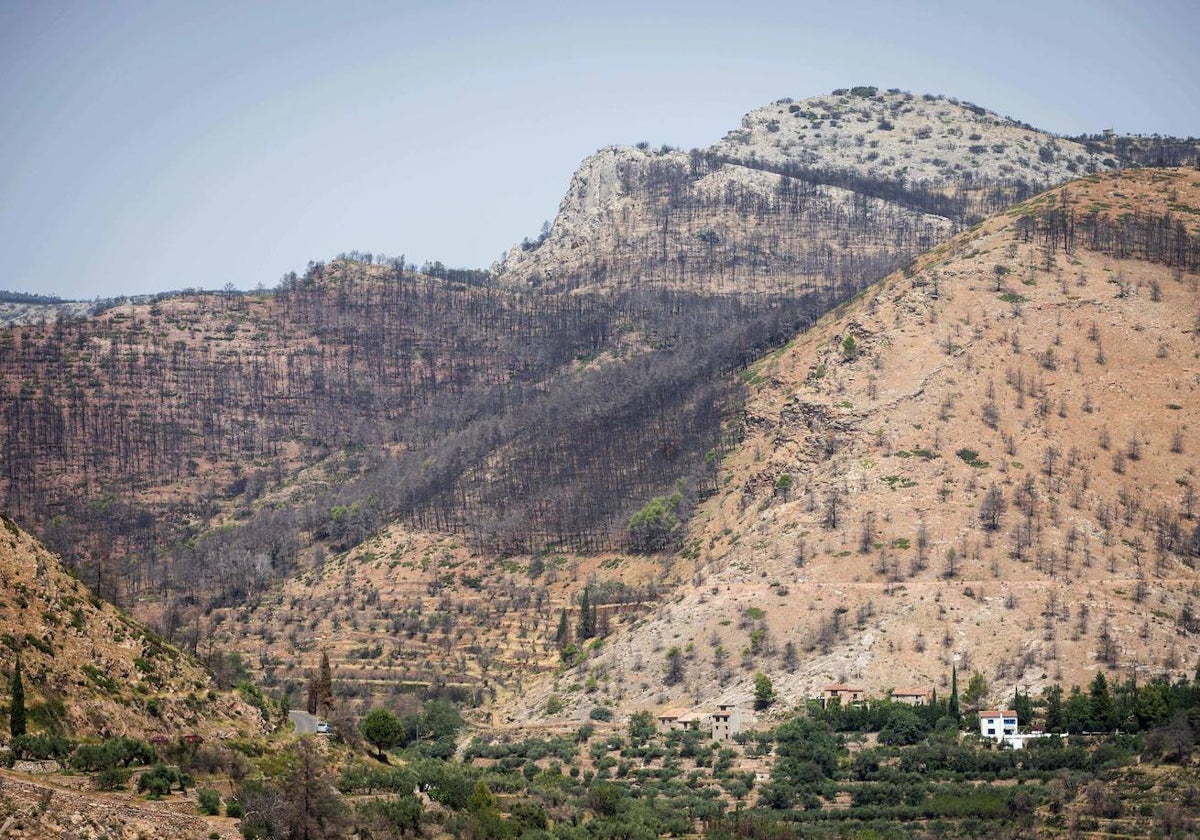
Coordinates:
x,y
90,669
408,611
986,460
211,439
188,453
850,184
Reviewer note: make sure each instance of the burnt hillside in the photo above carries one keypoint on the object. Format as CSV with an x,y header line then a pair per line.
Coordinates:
x,y
357,394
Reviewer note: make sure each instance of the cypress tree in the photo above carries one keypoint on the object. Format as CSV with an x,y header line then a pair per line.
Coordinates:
x,y
587,617
933,710
1022,706
1103,711
953,708
1055,722
562,636
320,688
16,716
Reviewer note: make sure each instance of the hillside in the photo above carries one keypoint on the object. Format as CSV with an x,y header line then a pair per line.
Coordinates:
x,y
413,613
987,460
202,443
200,440
89,669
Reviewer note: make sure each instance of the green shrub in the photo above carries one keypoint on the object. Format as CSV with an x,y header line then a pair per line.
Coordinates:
x,y
600,713
101,679
115,752
112,778
656,526
209,802
971,457
42,645
401,815
160,779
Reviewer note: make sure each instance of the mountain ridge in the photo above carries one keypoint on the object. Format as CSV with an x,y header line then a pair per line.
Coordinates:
x,y
930,152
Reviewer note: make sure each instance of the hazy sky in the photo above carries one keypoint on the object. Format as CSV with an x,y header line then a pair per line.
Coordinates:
x,y
159,145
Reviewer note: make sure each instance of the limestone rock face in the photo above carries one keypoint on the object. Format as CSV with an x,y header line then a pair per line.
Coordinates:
x,y
836,189
15,314
602,187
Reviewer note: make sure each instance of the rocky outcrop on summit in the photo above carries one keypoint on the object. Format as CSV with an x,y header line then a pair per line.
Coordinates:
x,y
897,136
831,192
16,313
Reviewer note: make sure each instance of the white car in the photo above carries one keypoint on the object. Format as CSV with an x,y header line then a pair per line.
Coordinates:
x,y
322,727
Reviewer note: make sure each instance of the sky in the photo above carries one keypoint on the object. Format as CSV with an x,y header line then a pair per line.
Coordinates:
x,y
152,146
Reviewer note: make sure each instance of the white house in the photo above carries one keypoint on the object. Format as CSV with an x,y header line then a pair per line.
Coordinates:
x,y
997,724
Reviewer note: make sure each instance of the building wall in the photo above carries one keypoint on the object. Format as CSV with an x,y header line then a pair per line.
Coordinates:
x,y
726,723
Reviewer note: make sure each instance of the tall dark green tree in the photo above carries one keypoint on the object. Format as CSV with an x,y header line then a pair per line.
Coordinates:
x,y
587,615
563,634
1104,715
953,709
1055,719
16,715
1023,706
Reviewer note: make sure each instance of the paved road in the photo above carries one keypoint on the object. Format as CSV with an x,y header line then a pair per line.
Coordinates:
x,y
305,723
